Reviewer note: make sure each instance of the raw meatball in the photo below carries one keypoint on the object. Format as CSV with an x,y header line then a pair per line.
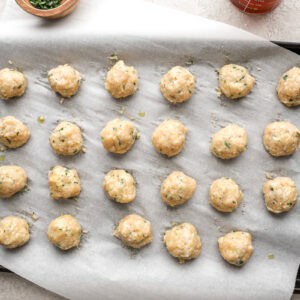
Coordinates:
x,y
119,185
177,188
13,179
225,195
236,247
229,142
169,137
235,81
134,231
281,138
65,232
14,232
12,83
64,80
121,80
288,87
66,139
118,136
63,183
13,133
280,194
183,242
177,85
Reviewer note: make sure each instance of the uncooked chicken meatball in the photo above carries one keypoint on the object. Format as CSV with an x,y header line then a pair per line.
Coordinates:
x,y
121,80
64,80
177,188
229,142
65,232
288,87
236,247
177,85
134,231
63,183
118,136
12,83
281,138
14,232
183,242
13,133
119,185
169,137
280,194
13,179
235,81
66,139
225,195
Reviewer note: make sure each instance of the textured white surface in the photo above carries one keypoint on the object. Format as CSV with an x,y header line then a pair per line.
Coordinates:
x,y
282,24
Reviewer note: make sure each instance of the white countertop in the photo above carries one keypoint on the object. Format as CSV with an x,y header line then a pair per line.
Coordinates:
x,y
283,24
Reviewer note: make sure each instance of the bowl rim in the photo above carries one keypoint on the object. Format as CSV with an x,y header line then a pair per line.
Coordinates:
x,y
26,5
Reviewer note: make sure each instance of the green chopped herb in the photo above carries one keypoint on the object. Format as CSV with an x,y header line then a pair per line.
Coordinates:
x,y
285,77
2,157
142,114
45,4
228,145
271,256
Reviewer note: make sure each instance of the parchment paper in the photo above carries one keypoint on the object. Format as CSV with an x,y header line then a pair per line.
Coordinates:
x,y
101,268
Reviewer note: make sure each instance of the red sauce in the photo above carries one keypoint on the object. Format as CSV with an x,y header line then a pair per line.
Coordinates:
x,y
256,6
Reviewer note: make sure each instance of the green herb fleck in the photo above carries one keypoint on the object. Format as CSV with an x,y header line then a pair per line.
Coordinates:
x,y
2,157
45,4
271,256
285,77
228,145
142,114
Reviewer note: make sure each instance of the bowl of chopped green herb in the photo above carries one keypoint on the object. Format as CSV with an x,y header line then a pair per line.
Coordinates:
x,y
50,9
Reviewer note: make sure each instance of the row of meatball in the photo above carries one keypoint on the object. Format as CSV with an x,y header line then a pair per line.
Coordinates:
x,y
177,85
225,194
118,136
182,241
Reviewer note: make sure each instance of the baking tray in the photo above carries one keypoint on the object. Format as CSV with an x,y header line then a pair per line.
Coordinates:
x,y
293,47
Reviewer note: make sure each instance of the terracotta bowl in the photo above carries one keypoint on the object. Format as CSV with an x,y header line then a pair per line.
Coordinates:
x,y
65,8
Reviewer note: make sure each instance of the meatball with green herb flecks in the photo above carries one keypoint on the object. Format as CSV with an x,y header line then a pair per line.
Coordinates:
x,y
225,195
12,83
66,139
121,80
168,138
280,194
183,242
229,142
134,231
177,85
288,88
119,185
13,179
63,183
13,132
65,232
177,188
64,80
281,138
236,247
118,136
14,232
235,81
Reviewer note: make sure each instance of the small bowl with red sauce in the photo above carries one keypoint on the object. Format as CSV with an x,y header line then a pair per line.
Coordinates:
x,y
64,8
